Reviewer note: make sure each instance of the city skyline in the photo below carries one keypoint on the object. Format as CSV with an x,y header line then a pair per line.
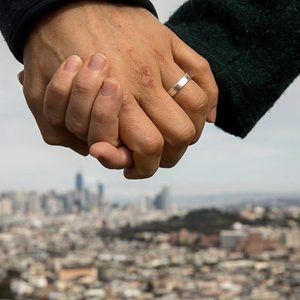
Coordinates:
x,y
80,199
266,161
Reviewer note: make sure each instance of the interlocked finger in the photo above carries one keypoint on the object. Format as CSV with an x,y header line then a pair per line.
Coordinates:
x,y
191,97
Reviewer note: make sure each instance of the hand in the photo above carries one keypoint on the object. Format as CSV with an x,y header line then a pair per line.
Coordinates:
x,y
98,111
146,58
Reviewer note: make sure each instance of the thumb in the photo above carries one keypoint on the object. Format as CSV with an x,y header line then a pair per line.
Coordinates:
x,y
21,77
199,69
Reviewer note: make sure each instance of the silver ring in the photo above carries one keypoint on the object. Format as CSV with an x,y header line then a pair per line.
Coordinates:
x,y
180,85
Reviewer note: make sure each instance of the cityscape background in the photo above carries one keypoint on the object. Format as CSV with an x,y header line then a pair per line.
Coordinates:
x,y
77,245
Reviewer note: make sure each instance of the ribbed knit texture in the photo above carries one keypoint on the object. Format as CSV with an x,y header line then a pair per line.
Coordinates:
x,y
253,47
17,18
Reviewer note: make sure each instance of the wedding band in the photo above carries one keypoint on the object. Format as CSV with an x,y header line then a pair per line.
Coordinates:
x,y
179,85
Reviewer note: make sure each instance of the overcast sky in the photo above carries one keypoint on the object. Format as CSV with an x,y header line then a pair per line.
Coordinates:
x,y
266,161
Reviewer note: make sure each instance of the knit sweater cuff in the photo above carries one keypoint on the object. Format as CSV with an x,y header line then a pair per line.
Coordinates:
x,y
253,48
17,18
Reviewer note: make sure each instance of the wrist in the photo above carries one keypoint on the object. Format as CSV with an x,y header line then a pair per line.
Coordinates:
x,y
60,34
75,28
29,15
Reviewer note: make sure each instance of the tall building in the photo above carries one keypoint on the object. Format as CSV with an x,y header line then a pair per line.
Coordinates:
x,y
163,200
80,200
32,203
79,184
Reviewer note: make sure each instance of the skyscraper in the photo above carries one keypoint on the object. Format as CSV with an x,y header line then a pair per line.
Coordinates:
x,y
162,200
79,182
80,200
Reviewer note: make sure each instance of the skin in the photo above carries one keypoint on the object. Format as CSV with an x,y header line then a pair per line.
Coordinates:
x,y
145,58
102,109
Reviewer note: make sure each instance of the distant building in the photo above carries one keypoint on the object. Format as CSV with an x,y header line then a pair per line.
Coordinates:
x,y
292,238
145,204
69,273
256,244
6,207
52,204
163,200
72,268
81,197
79,184
231,238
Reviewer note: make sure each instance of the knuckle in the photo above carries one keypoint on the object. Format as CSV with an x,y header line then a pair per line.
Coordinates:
x,y
31,95
75,127
81,87
142,72
57,87
199,102
197,137
53,118
203,64
187,134
153,145
100,116
51,114
144,76
50,139
203,102
168,164
200,66
144,174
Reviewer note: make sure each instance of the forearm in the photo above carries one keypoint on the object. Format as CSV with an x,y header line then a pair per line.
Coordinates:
x,y
19,17
253,49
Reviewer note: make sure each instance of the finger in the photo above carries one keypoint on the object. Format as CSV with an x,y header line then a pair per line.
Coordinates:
x,y
85,88
59,89
34,92
199,69
112,157
191,98
104,123
174,124
104,127
55,136
142,138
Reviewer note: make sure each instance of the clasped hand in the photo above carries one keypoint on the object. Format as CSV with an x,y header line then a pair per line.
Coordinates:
x,y
96,77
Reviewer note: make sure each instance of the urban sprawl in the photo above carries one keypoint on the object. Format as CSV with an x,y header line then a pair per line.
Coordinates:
x,y
76,246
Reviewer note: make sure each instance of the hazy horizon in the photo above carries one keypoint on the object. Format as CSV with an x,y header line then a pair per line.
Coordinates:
x,y
266,161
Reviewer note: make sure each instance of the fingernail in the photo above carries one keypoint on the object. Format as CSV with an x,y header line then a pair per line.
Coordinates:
x,y
213,115
108,88
97,62
72,64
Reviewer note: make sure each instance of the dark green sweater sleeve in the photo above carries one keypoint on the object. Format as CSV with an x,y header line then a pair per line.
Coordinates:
x,y
18,17
253,47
